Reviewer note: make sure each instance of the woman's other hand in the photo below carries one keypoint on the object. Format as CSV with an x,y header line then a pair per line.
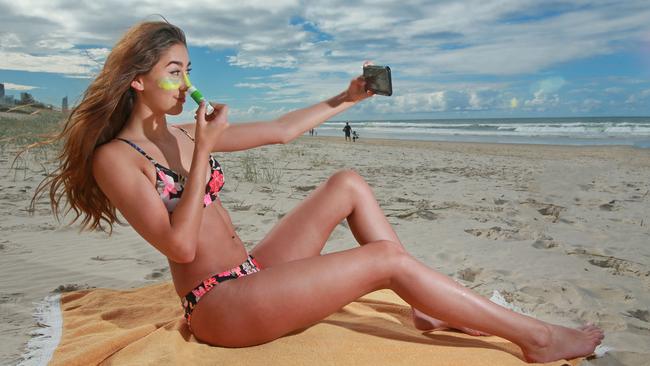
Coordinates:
x,y
209,128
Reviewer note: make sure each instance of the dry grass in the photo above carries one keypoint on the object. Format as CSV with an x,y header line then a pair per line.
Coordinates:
x,y
18,134
23,129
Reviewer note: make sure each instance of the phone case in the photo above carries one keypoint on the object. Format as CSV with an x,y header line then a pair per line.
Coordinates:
x,y
378,79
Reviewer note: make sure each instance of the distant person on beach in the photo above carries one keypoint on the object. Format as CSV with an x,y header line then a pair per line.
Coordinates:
x,y
355,136
311,132
347,130
120,154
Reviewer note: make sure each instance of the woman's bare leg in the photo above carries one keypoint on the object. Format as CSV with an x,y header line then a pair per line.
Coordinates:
x,y
303,232
293,295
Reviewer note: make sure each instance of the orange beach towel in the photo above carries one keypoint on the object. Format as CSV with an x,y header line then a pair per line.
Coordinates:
x,y
144,326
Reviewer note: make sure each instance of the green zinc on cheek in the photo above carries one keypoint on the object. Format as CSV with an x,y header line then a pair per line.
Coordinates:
x,y
169,83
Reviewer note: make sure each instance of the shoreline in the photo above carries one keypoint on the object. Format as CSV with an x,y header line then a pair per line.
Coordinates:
x,y
561,231
519,148
634,131
594,145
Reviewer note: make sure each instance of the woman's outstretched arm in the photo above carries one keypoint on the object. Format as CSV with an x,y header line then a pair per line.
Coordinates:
x,y
243,136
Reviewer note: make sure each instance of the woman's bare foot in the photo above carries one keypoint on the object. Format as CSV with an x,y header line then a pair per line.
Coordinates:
x,y
563,343
425,322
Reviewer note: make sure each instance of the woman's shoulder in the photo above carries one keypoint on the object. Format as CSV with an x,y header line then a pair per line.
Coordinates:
x,y
114,146
115,153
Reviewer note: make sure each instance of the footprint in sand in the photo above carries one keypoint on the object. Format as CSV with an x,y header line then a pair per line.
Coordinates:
x,y
643,315
609,206
304,188
614,265
240,207
106,258
544,241
496,233
411,213
586,187
547,210
10,297
423,209
544,244
156,273
402,200
469,274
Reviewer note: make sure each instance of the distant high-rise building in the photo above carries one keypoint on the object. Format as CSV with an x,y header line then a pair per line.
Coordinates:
x,y
2,90
64,105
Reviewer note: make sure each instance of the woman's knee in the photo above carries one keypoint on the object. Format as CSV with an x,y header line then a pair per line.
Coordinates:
x,y
390,252
386,261
349,180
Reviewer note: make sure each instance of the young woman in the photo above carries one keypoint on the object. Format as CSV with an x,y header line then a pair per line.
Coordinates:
x,y
119,153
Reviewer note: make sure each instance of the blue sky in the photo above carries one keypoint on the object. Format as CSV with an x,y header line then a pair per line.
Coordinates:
x,y
450,59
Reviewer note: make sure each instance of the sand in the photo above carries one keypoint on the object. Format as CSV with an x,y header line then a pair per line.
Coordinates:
x,y
562,232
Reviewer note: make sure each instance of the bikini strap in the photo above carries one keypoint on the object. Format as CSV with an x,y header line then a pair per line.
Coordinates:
x,y
186,133
139,149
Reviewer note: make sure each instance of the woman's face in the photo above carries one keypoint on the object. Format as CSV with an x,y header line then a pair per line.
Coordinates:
x,y
162,88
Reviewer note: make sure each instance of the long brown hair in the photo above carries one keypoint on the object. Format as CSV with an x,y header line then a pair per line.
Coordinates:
x,y
97,119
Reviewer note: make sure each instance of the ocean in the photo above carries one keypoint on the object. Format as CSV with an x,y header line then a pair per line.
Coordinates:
x,y
632,131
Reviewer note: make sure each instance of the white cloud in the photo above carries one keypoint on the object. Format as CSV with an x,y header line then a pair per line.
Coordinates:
x,y
545,95
640,98
273,86
614,90
255,112
550,85
438,101
12,86
632,99
424,41
72,63
542,101
9,40
422,37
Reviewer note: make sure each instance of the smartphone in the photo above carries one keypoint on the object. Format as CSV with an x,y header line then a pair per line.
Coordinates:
x,y
378,79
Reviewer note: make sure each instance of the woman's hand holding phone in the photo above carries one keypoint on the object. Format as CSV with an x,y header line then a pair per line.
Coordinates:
x,y
357,90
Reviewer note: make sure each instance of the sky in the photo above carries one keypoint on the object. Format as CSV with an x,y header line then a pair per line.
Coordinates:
x,y
449,59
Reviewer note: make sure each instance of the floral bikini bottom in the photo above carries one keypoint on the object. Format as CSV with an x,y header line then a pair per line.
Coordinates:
x,y
192,298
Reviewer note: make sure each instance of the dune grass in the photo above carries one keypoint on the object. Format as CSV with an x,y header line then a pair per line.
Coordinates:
x,y
21,129
257,169
19,133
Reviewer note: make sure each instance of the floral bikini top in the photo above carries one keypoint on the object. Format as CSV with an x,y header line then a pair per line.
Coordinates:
x,y
169,184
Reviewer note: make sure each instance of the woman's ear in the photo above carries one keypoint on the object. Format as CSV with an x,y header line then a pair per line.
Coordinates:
x,y
137,84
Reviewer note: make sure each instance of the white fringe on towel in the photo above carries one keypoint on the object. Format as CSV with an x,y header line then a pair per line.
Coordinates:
x,y
41,346
498,299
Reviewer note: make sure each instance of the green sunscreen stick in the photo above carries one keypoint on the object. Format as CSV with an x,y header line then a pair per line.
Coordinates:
x,y
196,95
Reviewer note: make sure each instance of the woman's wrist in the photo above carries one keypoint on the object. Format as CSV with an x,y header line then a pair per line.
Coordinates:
x,y
202,148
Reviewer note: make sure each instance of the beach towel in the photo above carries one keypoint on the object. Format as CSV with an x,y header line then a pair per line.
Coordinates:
x,y
144,326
